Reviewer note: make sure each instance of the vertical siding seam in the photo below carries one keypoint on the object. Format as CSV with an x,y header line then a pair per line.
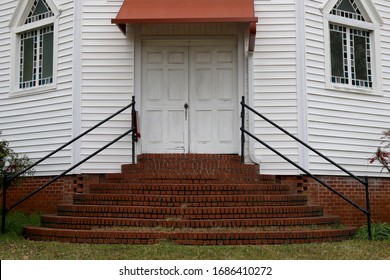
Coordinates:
x,y
77,81
303,155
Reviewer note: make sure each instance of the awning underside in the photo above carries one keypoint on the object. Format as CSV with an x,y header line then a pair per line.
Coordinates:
x,y
188,11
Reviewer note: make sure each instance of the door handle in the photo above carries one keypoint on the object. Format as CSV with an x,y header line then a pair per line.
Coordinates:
x,y
186,110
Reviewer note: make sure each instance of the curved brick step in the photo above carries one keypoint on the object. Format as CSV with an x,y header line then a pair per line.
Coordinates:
x,y
183,166
261,237
192,237
189,165
192,174
188,189
64,222
188,158
196,168
189,177
142,212
189,201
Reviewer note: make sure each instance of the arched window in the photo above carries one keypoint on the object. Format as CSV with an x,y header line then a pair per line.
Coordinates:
x,y
352,30
34,31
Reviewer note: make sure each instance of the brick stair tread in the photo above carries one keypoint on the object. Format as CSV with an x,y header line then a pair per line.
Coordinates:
x,y
181,176
227,185
188,209
193,171
189,201
188,157
206,165
188,169
55,221
189,213
183,188
192,237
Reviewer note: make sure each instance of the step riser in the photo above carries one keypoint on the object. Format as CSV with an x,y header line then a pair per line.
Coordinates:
x,y
89,223
189,201
191,167
190,193
189,204
189,190
187,158
189,213
189,238
174,177
191,217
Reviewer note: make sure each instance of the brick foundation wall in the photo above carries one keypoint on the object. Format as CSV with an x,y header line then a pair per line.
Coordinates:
x,y
379,189
61,192
46,201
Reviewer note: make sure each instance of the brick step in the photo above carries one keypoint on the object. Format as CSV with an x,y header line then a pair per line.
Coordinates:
x,y
141,212
191,177
189,167
192,237
188,158
189,201
188,189
203,168
65,222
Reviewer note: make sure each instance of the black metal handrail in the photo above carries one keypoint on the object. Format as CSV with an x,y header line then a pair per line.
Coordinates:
x,y
366,211
8,180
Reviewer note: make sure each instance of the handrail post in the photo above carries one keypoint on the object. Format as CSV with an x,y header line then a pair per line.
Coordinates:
x,y
133,126
5,184
368,208
242,129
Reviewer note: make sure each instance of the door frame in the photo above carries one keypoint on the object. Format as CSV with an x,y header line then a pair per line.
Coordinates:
x,y
140,41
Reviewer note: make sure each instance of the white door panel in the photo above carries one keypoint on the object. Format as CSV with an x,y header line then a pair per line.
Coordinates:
x,y
205,78
213,99
165,91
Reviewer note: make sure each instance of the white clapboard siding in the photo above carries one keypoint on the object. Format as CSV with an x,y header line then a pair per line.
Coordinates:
x,y
274,83
344,126
37,124
107,85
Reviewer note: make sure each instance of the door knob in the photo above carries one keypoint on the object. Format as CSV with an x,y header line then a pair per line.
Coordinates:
x,y
186,107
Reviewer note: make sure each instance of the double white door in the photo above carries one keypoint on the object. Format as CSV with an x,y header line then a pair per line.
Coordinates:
x,y
189,99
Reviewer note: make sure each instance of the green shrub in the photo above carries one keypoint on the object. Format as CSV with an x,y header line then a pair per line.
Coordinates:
x,y
11,162
15,222
380,232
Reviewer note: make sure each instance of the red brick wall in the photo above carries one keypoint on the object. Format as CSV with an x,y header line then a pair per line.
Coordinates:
x,y
379,189
46,201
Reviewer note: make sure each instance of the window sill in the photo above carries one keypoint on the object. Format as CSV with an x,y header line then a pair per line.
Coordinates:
x,y
348,89
33,91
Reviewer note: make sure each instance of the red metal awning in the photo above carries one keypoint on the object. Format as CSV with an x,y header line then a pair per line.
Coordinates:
x,y
188,11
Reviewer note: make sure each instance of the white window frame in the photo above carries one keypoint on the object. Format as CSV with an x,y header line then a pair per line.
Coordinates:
x,y
371,25
18,27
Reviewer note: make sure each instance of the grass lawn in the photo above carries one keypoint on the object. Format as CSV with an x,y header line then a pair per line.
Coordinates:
x,y
20,249
14,247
